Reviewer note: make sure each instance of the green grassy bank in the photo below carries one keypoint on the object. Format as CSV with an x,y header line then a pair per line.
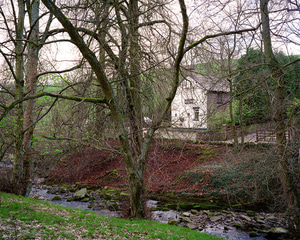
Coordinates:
x,y
25,218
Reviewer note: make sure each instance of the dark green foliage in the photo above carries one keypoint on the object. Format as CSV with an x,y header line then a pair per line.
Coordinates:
x,y
292,75
255,87
256,102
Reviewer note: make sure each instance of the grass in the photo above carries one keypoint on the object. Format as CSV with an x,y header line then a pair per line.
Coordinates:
x,y
25,218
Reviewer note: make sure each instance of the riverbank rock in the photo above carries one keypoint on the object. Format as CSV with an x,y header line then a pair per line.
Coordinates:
x,y
186,214
80,194
56,198
215,218
192,226
250,213
244,217
277,233
172,222
38,197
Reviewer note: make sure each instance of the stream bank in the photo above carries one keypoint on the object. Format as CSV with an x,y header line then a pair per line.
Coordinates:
x,y
235,225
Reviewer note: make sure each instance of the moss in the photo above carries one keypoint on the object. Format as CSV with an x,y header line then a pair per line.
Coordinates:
x,y
238,225
56,198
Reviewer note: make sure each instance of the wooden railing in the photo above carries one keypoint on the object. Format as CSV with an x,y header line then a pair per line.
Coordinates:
x,y
268,135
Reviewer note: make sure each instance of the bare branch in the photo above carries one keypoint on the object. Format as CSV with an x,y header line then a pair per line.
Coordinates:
x,y
73,98
88,144
63,71
195,44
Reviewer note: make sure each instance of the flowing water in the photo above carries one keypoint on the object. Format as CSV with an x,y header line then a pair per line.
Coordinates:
x,y
160,216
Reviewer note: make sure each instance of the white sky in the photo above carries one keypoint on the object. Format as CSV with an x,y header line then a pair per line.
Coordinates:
x,y
65,55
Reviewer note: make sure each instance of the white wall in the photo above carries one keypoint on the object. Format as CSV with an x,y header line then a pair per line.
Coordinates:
x,y
188,98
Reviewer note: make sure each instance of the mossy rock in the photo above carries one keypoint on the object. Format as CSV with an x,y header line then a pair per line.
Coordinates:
x,y
56,198
250,213
52,191
113,206
195,212
92,205
80,194
62,189
172,222
238,225
253,234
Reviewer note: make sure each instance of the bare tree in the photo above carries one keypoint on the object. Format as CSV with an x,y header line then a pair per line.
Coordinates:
x,y
128,44
133,150
289,188
21,55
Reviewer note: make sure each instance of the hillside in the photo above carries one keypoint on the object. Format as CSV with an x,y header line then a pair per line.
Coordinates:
x,y
185,168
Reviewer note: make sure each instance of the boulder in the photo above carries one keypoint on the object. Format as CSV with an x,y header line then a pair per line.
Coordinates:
x,y
253,234
185,219
277,233
186,214
195,218
250,213
244,217
62,189
85,200
35,196
192,226
41,198
80,194
194,211
215,218
278,230
238,225
172,222
56,198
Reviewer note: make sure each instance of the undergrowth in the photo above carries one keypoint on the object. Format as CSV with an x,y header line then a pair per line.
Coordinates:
x,y
245,175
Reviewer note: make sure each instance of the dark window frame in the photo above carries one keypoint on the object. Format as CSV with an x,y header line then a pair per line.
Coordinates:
x,y
189,101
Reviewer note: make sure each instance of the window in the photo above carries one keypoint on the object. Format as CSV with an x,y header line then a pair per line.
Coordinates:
x,y
196,113
189,101
219,98
188,114
186,84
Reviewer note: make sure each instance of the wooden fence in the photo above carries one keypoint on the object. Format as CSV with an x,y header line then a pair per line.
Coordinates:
x,y
268,135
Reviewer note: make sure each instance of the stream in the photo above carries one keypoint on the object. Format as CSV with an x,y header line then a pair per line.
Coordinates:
x,y
217,225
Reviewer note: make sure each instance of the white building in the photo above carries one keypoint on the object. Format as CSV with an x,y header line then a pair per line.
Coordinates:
x,y
197,99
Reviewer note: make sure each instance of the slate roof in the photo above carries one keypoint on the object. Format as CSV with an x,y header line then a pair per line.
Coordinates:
x,y
211,83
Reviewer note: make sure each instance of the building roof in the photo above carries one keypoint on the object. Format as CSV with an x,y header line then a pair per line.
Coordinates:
x,y
210,83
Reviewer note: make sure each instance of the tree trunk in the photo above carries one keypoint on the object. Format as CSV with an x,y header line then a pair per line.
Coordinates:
x,y
233,127
284,167
19,94
31,81
242,127
136,181
137,190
